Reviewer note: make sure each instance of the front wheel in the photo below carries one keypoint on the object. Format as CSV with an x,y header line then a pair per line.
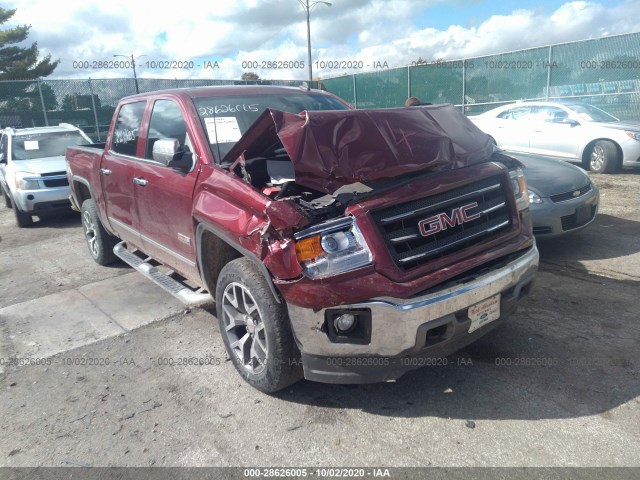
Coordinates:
x,y
603,157
99,241
23,219
255,328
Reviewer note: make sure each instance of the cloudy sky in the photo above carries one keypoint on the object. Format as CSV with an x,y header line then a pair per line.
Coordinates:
x,y
377,33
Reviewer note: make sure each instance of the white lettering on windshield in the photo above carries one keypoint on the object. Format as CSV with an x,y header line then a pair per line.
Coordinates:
x,y
228,108
124,136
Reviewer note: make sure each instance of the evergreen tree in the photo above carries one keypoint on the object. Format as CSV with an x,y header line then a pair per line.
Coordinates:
x,y
20,63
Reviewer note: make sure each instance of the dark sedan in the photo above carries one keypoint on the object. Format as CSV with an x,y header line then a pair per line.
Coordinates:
x,y
561,195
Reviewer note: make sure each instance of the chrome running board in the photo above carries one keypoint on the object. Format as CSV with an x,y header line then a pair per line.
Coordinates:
x,y
175,287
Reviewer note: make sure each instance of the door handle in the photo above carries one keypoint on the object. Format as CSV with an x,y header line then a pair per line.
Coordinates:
x,y
140,181
105,171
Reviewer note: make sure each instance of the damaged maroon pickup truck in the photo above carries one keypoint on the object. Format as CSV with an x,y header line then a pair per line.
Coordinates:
x,y
339,245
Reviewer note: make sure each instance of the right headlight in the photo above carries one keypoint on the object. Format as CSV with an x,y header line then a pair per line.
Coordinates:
x,y
519,185
534,197
27,181
332,248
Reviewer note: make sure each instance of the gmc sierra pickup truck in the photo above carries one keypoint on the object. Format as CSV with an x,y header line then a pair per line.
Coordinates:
x,y
339,245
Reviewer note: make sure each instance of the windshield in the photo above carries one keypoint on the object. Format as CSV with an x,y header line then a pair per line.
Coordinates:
x,y
226,119
590,113
42,145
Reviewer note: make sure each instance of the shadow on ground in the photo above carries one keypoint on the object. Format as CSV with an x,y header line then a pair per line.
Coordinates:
x,y
569,351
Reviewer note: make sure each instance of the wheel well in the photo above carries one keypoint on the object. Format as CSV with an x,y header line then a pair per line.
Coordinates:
x,y
215,253
82,192
587,149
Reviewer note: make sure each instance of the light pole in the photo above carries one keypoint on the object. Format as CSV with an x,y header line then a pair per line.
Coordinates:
x,y
133,65
307,5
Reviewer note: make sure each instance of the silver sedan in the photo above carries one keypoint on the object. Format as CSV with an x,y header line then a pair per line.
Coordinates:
x,y
562,197
572,131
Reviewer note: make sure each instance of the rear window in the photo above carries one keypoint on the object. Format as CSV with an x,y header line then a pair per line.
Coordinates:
x,y
226,119
127,129
42,145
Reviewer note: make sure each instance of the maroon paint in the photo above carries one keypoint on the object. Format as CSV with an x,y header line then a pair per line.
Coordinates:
x,y
328,149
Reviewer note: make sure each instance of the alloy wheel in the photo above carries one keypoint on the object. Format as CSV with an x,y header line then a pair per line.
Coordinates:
x,y
597,158
90,233
244,327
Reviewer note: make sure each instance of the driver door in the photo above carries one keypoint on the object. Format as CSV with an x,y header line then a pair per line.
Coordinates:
x,y
165,195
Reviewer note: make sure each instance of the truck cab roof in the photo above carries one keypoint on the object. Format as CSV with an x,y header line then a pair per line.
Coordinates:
x,y
229,90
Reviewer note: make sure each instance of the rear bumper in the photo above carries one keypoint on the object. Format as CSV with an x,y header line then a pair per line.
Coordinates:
x,y
631,153
406,333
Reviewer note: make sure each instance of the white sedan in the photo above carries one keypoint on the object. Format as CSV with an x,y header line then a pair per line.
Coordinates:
x,y
572,131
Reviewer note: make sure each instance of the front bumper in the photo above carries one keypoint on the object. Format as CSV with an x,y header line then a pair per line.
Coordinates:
x,y
551,219
432,324
630,153
42,200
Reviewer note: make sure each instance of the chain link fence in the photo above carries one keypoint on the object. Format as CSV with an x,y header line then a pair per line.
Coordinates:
x,y
604,72
88,104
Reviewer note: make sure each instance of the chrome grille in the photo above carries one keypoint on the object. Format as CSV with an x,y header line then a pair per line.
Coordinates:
x,y
411,246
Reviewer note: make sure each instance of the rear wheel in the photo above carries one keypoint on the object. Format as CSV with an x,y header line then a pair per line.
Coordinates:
x,y
255,328
99,241
23,219
603,157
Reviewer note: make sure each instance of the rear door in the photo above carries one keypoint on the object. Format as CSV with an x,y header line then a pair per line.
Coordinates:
x,y
165,195
512,128
552,134
117,172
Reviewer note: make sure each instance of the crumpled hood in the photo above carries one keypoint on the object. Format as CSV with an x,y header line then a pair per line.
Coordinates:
x,y
330,149
41,165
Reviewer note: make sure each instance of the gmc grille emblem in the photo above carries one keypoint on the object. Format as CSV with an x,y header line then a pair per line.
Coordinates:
x,y
442,221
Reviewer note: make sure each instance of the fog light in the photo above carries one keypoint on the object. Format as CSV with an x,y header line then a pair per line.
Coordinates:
x,y
345,322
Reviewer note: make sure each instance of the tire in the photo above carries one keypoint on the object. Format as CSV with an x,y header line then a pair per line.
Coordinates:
x,y
7,199
99,242
255,328
603,157
23,219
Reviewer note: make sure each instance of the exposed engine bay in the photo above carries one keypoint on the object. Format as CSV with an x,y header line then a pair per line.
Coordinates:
x,y
273,174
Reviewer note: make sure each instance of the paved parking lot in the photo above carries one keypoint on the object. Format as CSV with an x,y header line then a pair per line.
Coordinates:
x,y
558,384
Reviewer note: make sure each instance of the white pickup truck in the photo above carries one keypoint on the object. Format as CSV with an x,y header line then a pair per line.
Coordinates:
x,y
33,179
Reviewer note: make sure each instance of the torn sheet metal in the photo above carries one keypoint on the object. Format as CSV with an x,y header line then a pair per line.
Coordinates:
x,y
330,149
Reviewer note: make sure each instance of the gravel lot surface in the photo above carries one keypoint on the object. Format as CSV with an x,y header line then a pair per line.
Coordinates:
x,y
557,385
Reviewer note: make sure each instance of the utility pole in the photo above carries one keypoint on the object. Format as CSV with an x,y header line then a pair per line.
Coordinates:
x,y
307,5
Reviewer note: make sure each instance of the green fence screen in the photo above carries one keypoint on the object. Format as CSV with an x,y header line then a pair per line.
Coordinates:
x,y
603,71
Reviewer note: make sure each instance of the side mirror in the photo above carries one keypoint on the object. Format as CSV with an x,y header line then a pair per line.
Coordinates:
x,y
168,152
570,121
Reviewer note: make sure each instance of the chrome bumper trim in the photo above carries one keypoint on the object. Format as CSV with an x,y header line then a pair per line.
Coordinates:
x,y
396,321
